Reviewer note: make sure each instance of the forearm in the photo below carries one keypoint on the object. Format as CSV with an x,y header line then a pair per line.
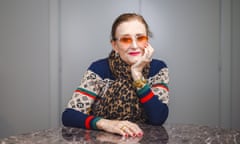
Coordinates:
x,y
74,118
156,111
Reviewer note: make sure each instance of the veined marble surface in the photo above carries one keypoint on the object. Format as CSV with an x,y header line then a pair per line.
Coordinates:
x,y
168,133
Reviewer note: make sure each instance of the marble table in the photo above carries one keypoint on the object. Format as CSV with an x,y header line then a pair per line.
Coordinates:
x,y
168,133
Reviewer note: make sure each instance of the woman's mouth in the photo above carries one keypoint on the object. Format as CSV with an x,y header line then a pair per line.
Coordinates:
x,y
134,53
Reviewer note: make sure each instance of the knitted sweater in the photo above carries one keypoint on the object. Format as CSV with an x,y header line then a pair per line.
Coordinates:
x,y
153,96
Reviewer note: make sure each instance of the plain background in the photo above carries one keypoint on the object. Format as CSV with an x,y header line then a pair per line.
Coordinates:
x,y
46,46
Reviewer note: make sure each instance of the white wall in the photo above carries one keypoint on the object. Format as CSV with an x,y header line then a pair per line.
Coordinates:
x,y
186,35
46,46
235,63
24,66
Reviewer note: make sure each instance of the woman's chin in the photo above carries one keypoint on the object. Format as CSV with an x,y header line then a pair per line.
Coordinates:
x,y
133,61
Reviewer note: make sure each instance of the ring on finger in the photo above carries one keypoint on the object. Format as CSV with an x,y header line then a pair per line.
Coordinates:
x,y
123,128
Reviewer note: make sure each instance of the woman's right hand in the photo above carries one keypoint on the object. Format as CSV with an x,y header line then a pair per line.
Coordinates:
x,y
137,68
124,128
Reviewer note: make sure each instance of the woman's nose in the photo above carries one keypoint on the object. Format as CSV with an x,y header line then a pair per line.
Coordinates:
x,y
134,43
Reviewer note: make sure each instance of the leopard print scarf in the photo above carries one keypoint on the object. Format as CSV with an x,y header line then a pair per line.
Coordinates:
x,y
120,101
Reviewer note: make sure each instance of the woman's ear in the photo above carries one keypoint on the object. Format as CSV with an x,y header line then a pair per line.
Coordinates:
x,y
114,45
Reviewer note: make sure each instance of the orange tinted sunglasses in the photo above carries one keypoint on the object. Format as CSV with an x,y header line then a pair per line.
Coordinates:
x,y
128,40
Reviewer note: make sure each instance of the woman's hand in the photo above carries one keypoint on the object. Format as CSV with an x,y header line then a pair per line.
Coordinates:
x,y
136,69
124,128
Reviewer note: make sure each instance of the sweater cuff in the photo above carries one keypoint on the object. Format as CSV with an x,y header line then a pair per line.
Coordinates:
x,y
90,122
141,91
145,93
94,122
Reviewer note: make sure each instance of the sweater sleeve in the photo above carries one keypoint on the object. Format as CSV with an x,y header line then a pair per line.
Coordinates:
x,y
77,113
74,118
154,97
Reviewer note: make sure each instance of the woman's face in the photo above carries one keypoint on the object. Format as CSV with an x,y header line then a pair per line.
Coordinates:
x,y
131,41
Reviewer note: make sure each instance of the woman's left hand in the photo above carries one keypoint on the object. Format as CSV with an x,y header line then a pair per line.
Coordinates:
x,y
121,127
146,58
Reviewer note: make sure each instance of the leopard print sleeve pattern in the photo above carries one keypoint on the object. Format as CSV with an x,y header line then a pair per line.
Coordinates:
x,y
159,85
86,93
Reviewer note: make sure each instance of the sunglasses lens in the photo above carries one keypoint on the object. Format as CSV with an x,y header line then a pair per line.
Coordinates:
x,y
142,39
126,40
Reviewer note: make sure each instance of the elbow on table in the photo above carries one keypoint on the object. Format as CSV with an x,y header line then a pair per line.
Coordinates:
x,y
71,118
65,117
159,119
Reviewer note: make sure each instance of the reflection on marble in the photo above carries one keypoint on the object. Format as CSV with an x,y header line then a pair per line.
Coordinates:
x,y
169,133
151,135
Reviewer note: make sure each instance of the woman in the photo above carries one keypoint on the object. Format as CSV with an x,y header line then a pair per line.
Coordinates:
x,y
125,89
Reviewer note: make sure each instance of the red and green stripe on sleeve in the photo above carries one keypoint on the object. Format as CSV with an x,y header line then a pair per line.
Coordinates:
x,y
90,122
146,93
86,92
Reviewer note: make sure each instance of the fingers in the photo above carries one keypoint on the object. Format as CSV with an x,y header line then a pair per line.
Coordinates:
x,y
147,55
130,129
148,52
124,128
145,59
